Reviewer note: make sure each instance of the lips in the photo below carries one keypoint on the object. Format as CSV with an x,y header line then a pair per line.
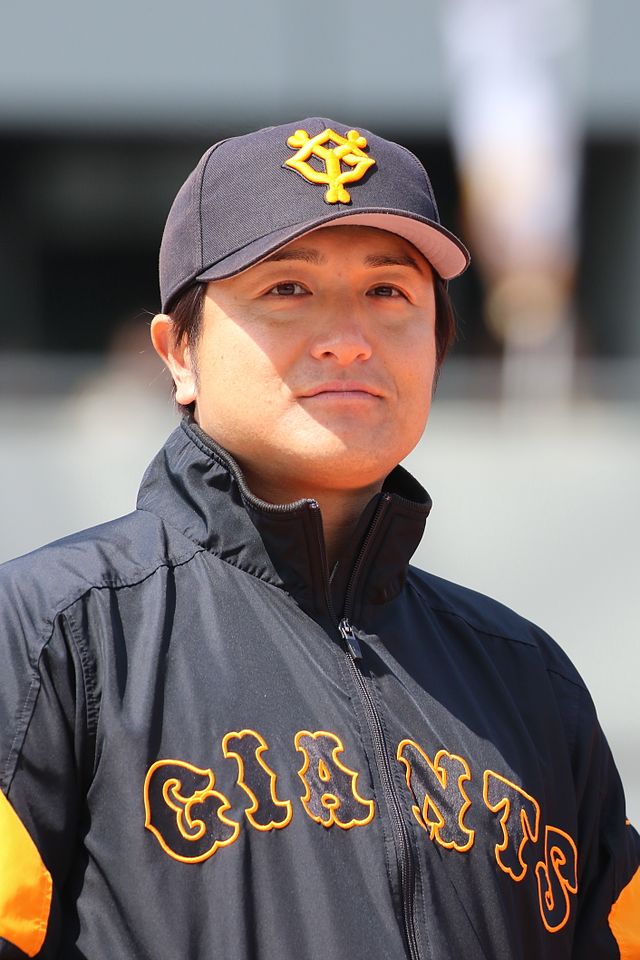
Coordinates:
x,y
350,387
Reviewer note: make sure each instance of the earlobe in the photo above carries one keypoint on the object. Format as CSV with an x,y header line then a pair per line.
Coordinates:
x,y
185,386
176,356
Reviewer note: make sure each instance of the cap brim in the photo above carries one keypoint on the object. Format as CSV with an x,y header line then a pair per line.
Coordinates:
x,y
446,254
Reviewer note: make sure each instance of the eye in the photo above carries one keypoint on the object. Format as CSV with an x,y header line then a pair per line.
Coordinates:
x,y
287,289
384,290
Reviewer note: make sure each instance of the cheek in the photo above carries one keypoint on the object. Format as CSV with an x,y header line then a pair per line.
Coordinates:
x,y
418,366
418,386
418,400
237,380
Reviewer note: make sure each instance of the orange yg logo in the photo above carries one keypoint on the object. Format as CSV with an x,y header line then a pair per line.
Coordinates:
x,y
348,151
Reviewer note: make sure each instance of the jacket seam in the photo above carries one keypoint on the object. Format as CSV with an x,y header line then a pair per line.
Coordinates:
x,y
92,704
140,577
447,611
20,736
247,573
124,585
563,676
493,633
24,715
114,584
202,548
23,722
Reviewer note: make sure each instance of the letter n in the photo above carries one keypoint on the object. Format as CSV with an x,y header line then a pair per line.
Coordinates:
x,y
441,799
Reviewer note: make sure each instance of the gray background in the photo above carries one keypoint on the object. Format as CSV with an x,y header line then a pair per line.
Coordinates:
x,y
103,108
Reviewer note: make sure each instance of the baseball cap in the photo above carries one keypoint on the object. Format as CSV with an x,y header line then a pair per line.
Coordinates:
x,y
250,195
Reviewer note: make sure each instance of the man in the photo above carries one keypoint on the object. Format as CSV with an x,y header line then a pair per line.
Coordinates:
x,y
235,723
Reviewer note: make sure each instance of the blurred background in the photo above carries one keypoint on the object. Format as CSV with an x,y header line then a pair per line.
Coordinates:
x,y
526,114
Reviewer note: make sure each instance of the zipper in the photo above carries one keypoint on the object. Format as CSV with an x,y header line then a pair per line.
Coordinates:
x,y
406,859
383,506
353,650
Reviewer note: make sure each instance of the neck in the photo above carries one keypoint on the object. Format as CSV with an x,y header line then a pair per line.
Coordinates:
x,y
340,509
340,515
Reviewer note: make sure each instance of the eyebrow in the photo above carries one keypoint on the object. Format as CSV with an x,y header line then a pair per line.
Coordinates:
x,y
311,255
307,254
385,260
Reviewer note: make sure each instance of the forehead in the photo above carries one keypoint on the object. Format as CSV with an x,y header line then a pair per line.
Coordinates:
x,y
352,248
359,240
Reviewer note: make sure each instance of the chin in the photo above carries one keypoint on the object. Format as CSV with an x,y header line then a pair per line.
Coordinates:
x,y
337,466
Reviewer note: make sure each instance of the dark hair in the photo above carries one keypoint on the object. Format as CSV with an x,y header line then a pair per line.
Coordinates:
x,y
187,309
186,313
446,329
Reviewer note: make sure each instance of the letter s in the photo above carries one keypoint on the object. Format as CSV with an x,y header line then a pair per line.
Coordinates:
x,y
557,877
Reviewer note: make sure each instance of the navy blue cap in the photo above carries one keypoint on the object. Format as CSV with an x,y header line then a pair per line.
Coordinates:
x,y
251,195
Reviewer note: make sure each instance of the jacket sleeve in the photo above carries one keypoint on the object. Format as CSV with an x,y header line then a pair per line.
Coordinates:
x,y
45,714
608,921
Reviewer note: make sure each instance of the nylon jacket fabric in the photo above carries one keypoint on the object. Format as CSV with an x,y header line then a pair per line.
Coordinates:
x,y
218,751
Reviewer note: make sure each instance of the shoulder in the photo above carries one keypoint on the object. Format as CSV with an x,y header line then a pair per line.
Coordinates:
x,y
491,621
37,587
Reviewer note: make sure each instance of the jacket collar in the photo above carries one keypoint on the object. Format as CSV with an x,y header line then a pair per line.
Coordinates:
x,y
197,487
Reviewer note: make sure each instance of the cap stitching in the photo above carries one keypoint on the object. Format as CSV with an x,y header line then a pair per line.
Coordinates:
x,y
426,177
200,224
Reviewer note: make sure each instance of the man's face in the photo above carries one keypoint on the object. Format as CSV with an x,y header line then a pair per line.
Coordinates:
x,y
315,367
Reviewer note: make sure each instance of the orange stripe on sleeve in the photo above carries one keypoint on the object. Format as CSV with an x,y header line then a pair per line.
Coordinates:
x,y
25,885
624,919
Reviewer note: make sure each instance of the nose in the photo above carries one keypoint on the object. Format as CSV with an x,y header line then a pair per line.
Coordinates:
x,y
343,339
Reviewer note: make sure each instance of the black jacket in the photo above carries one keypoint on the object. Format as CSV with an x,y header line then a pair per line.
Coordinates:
x,y
208,748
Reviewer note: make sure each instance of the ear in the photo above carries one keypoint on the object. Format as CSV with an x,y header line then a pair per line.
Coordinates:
x,y
177,357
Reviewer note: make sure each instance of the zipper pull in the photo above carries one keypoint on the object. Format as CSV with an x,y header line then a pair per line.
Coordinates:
x,y
349,637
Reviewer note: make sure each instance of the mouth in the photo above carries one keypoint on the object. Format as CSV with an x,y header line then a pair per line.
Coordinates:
x,y
343,388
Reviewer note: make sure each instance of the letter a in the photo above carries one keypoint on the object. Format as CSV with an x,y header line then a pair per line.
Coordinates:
x,y
331,794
